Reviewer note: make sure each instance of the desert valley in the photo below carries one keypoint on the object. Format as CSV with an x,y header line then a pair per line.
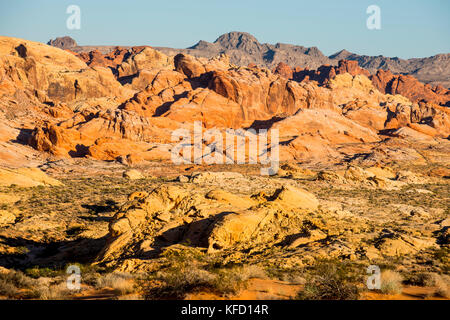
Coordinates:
x,y
87,177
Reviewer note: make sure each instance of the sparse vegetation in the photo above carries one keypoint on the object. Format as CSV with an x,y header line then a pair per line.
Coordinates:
x,y
36,272
91,174
13,282
391,282
7,289
441,283
330,280
83,207
189,271
122,283
56,291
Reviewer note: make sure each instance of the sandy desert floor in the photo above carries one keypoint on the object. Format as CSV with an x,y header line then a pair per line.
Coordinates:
x,y
331,225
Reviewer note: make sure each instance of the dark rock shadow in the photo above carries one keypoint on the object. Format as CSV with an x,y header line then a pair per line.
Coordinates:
x,y
194,234
166,106
109,206
96,218
23,137
265,124
55,254
80,151
127,79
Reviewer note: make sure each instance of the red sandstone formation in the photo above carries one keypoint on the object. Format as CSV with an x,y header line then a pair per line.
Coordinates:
x,y
284,70
87,111
384,81
410,87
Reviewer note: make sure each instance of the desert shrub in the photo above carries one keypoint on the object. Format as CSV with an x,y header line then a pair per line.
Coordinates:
x,y
189,271
415,279
330,281
12,282
443,289
180,275
229,280
7,289
440,282
51,292
443,256
175,283
89,273
121,283
291,275
38,272
253,271
295,278
18,279
391,282
91,278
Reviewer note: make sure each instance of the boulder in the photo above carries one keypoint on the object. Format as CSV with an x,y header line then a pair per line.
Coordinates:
x,y
133,174
214,177
292,197
7,217
189,66
284,70
293,171
26,177
229,198
236,227
311,236
398,245
147,59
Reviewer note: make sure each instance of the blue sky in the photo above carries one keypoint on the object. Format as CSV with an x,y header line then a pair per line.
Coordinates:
x,y
414,28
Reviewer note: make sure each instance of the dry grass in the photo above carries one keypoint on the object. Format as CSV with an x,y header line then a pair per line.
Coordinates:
x,y
232,280
189,271
252,271
391,282
440,282
15,284
51,292
122,283
8,290
330,280
177,283
89,202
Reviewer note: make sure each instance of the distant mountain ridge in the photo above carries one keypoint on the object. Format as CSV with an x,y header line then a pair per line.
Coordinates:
x,y
243,49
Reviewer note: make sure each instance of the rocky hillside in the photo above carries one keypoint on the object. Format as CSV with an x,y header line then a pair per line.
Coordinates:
x,y
244,49
87,176
127,103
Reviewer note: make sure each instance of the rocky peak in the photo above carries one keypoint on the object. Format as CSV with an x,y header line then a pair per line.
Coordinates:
x,y
341,55
238,40
65,42
202,45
